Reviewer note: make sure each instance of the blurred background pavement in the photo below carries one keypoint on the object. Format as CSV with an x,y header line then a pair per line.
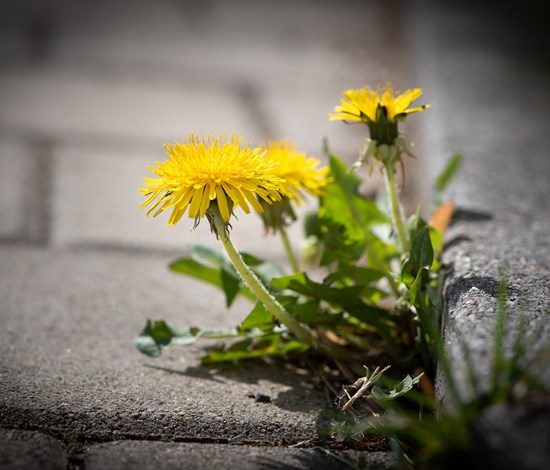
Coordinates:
x,y
90,91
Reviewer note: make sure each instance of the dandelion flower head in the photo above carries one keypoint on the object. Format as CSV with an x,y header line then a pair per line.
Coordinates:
x,y
213,168
367,105
300,172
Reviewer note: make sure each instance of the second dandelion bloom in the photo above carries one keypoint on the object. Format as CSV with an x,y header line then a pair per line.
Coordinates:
x,y
202,170
301,173
302,176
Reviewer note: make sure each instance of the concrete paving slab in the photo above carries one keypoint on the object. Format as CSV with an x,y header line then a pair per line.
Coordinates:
x,y
163,456
25,168
15,170
288,36
22,450
68,364
101,90
163,73
60,104
109,93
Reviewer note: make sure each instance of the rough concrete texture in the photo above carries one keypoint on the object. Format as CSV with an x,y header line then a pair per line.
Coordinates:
x,y
164,456
21,450
89,93
514,437
492,105
69,364
489,80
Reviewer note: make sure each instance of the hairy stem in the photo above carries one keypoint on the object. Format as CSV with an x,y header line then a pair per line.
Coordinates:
x,y
254,284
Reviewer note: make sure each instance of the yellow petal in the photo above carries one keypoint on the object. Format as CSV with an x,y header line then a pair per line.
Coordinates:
x,y
222,203
196,202
205,202
235,194
253,200
403,101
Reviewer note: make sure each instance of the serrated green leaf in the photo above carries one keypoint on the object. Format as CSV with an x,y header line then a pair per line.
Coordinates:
x,y
240,346
230,282
267,270
268,345
422,252
347,298
216,276
213,266
351,273
206,255
197,270
417,285
308,312
221,332
270,350
158,334
147,346
344,206
312,225
337,246
259,318
286,281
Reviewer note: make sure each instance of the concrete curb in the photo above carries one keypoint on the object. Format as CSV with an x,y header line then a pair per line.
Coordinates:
x,y
486,110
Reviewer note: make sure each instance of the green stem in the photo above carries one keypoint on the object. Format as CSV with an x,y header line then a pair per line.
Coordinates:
x,y
250,279
396,209
288,248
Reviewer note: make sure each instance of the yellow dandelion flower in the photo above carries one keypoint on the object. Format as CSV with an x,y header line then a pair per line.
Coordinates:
x,y
300,172
214,168
361,105
366,105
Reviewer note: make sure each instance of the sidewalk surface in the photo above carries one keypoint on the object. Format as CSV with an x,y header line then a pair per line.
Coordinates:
x,y
90,92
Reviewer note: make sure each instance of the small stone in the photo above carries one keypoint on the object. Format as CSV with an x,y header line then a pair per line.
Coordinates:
x,y
261,397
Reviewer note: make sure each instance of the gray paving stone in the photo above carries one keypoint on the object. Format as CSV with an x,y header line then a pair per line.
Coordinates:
x,y
272,39
68,364
164,456
15,164
101,90
63,105
21,450
109,93
26,170
175,68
